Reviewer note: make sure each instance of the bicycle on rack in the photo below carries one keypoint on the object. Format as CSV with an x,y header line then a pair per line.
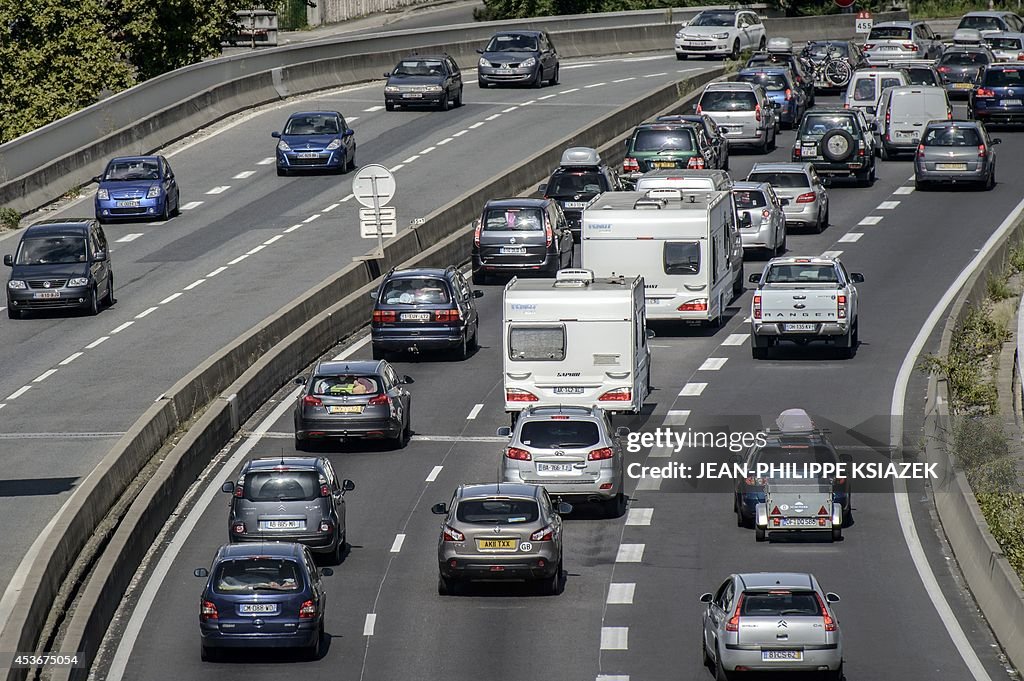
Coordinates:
x,y
834,70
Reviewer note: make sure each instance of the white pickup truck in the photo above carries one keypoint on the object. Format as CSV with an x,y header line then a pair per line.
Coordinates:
x,y
803,299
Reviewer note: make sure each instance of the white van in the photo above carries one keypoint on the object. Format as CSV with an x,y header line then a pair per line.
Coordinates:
x,y
684,244
903,113
575,340
866,88
684,178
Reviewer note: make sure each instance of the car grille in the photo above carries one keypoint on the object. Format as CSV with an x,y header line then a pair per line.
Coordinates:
x,y
127,211
699,48
414,88
511,65
53,302
126,195
322,161
41,283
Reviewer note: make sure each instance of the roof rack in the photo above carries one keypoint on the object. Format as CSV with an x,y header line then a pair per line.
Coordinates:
x,y
795,422
574,278
580,156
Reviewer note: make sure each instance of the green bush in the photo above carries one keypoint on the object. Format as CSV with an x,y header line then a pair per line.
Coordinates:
x,y
1017,258
1004,514
998,288
9,218
932,9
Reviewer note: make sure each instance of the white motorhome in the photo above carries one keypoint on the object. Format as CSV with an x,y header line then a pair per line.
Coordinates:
x,y
684,244
575,340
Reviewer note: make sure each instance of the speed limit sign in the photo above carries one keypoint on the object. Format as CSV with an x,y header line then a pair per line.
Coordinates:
x,y
864,22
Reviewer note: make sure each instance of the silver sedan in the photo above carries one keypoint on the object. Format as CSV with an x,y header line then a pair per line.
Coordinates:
x,y
955,152
761,216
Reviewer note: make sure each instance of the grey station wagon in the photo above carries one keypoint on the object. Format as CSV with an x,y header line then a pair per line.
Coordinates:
x,y
521,236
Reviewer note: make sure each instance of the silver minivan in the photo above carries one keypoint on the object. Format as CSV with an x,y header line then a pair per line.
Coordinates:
x,y
866,88
743,113
903,113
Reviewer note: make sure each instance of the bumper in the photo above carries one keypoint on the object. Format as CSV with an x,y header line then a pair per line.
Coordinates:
x,y
318,543
824,331
312,430
424,99
708,47
111,210
68,298
951,177
498,75
826,656
539,565
550,262
325,159
958,92
999,114
758,137
825,167
801,213
588,398
420,339
304,637
758,238
589,489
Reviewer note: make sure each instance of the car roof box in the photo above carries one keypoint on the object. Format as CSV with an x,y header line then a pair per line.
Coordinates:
x,y
574,277
580,156
780,45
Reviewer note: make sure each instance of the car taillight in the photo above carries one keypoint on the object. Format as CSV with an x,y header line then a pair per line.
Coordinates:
x,y
698,305
981,151
796,152
307,610
696,162
910,46
753,482
208,611
766,213
841,303
544,534
734,622
518,454
830,624
238,491
476,232
384,316
1020,56
454,315
949,114
452,534
617,395
325,490
789,94
325,526
757,307
549,235
860,148
984,92
238,528
757,113
630,165
888,117
920,151
944,69
519,395
310,401
601,454
809,197
868,46
699,110
379,400
846,105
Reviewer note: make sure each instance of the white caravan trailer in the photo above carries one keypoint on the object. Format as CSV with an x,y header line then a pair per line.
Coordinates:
x,y
683,243
575,340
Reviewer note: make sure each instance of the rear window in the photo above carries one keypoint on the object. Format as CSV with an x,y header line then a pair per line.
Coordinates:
x,y
749,199
781,179
418,290
1004,78
682,257
559,434
721,100
964,59
513,220
793,454
821,49
1004,43
769,81
349,384
573,183
250,575
982,23
536,343
659,140
818,124
920,75
780,603
951,136
864,90
889,33
801,274
497,511
282,486
930,103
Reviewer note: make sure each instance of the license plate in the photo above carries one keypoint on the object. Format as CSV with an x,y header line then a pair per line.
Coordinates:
x,y
513,250
654,301
888,48
554,467
809,150
252,608
963,86
906,133
281,524
412,95
47,294
415,316
565,390
799,522
1011,102
782,655
951,166
664,164
129,204
345,409
575,204
497,544
799,327
309,154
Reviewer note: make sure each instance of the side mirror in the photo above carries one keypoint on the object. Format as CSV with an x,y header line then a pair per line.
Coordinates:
x,y
9,260
98,178
387,74
201,572
349,132
479,51
754,278
684,24
373,294
406,380
504,431
938,36
857,277
275,134
542,188
622,431
477,293
347,485
300,380
626,143
846,458
996,140
228,487
783,202
706,598
326,572
99,256
831,597
439,509
651,334
564,508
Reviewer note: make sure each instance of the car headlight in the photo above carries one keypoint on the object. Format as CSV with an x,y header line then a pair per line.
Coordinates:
x,y
720,36
335,143
283,146
16,284
78,282
483,62
153,192
392,88
679,34
103,195
528,63
434,88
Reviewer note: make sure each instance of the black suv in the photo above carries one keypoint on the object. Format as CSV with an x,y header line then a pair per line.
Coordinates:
x,y
521,236
580,177
294,499
60,263
424,309
837,142
418,80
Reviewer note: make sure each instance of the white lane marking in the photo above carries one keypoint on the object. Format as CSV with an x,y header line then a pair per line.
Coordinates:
x,y
460,133
371,621
529,102
904,190
244,174
95,343
216,272
148,311
548,96
171,297
395,169
510,109
292,228
677,417
128,237
736,339
614,638
492,117
352,118
265,162
888,205
713,364
692,389
613,677
631,60
411,158
474,412
219,189
661,453
899,392
195,283
630,553
373,108
639,516
831,254
191,204
330,208
870,220
19,392
256,249
347,197
587,87
648,484
43,376
623,80
655,75
2,405
311,218
71,358
568,67
850,237
621,593
565,92
163,567
121,328
476,125
446,140
352,349
427,150
396,546
276,237
434,472
238,259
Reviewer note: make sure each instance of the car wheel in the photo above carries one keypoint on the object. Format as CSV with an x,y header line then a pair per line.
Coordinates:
x,y
848,346
316,650
720,673
389,106
761,45
482,84
552,586
165,214
177,204
725,165
445,102
616,506
760,534
681,57
479,278
446,586
93,306
13,314
462,349
109,299
554,78
781,248
207,654
338,552
837,533
735,54
281,172
920,185
991,182
883,153
474,341
538,82
458,99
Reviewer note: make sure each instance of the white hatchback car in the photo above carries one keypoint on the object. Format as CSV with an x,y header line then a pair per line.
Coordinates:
x,y
720,33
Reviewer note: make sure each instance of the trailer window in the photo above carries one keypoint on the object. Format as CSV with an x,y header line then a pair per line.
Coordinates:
x,y
536,343
682,257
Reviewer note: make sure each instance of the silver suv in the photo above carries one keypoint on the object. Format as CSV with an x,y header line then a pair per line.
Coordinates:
x,y
498,532
743,113
572,451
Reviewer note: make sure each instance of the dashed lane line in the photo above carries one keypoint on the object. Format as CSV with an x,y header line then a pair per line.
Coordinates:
x,y
565,92
888,205
330,208
614,638
128,237
476,125
713,364
191,205
474,412
587,87
639,516
43,376
870,220
460,133
547,97
238,259
121,327
850,238
510,109
220,189
446,140
620,593
677,417
492,117
373,108
145,313
19,392
427,150
831,254
276,237
347,197
244,175
311,218
692,389
411,158
173,296
71,358
434,472
903,191
292,228
395,169
217,271
255,249
265,162
630,553
654,75
396,545
613,677
96,343
623,80
648,483
369,624
736,339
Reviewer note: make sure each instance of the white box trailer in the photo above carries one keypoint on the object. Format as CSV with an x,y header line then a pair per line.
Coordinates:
x,y
684,244
575,340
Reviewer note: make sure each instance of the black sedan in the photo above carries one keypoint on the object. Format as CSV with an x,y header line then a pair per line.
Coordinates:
x,y
431,81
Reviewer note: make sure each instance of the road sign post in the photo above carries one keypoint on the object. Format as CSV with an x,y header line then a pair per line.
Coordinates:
x,y
373,186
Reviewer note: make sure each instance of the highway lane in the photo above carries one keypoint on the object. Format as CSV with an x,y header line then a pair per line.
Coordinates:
x,y
254,243
692,542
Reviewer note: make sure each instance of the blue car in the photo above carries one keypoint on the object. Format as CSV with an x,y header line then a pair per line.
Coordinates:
x,y
315,140
137,187
266,595
999,96
789,99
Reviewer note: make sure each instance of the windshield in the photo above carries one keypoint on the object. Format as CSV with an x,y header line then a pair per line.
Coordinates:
x,y
1004,77
662,140
682,257
769,81
779,603
801,274
250,575
951,136
1005,43
713,19
816,124
781,179
721,100
426,67
889,33
415,290
512,43
964,59
559,434
574,183
312,125
749,199
282,486
497,511
537,343
821,49
348,384
119,171
51,250
982,23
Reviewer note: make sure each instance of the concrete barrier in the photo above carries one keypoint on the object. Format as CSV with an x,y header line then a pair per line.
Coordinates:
x,y
43,165
443,239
